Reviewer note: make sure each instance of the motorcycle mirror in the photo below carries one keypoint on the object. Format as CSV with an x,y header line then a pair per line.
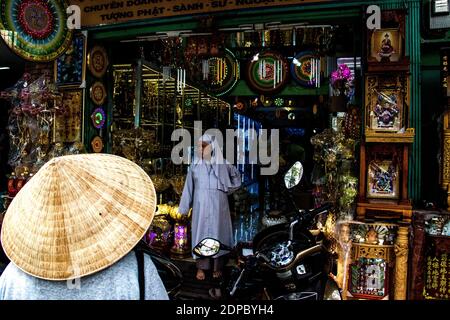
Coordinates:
x,y
294,175
208,247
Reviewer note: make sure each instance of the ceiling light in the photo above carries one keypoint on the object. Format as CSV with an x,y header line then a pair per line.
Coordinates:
x,y
5,68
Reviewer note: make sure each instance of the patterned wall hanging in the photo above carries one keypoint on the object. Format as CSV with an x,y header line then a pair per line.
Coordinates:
x,y
98,118
36,30
97,61
98,93
97,144
220,73
305,69
267,72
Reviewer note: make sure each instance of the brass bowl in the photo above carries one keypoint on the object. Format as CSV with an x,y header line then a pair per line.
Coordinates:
x,y
162,210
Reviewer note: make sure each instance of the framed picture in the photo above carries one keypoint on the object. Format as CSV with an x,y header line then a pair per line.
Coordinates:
x,y
386,45
387,102
68,125
383,179
369,278
70,67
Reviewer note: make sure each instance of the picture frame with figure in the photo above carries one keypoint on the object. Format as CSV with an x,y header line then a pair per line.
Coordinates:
x,y
387,103
383,179
386,45
70,67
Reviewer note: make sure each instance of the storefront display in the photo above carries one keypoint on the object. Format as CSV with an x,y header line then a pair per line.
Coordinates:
x,y
44,122
345,98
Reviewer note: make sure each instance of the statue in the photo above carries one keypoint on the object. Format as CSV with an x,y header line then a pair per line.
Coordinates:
x,y
386,49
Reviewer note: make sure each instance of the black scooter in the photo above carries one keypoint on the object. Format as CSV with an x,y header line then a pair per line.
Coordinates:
x,y
287,261
169,273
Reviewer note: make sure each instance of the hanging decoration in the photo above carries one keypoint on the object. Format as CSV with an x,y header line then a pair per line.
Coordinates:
x,y
97,144
205,69
279,102
98,93
97,61
98,118
181,79
267,72
306,69
220,73
35,30
167,71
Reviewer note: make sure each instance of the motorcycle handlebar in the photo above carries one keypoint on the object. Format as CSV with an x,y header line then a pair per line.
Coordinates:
x,y
322,208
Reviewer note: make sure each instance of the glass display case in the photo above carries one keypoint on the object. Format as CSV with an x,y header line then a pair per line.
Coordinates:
x,y
148,104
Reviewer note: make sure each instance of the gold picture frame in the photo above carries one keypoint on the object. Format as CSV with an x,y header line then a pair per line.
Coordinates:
x,y
387,103
386,46
68,126
383,179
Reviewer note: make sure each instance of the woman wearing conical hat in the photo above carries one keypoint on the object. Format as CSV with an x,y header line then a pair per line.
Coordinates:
x,y
209,181
71,230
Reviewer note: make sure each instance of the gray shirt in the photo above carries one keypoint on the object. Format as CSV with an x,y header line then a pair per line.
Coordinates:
x,y
118,282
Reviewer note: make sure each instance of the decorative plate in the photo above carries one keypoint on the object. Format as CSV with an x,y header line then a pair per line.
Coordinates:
x,y
223,73
35,30
98,93
267,72
305,69
97,144
97,61
98,118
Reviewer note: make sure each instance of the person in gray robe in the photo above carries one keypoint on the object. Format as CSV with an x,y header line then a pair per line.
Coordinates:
x,y
209,181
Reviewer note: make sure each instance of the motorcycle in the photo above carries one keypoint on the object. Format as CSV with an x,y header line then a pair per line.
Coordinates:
x,y
287,261
169,273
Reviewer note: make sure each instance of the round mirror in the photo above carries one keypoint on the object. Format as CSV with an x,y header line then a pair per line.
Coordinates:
x,y
207,248
294,175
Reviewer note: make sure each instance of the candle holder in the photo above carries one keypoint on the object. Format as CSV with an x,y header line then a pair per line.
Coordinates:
x,y
181,247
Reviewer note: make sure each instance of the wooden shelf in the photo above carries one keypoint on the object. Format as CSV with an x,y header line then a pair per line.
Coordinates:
x,y
389,137
387,209
381,67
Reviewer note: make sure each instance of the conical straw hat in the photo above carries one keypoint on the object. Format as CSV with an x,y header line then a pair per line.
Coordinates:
x,y
78,215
